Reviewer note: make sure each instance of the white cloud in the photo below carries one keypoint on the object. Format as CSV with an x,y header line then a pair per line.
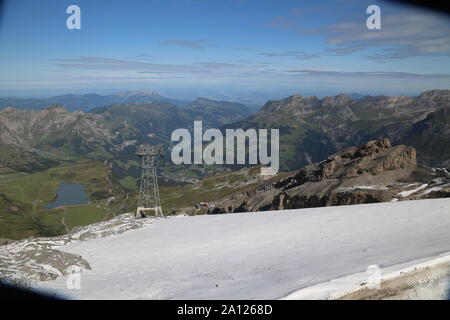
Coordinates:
x,y
404,34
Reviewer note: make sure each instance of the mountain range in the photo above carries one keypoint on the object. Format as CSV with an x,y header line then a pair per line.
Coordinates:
x,y
311,129
86,102
39,139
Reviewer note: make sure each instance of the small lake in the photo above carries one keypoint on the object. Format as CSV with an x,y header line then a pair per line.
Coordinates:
x,y
69,194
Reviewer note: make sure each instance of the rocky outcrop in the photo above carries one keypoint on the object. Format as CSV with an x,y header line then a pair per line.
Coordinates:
x,y
373,172
374,158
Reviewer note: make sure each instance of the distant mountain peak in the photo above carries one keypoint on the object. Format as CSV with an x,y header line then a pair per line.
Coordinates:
x,y
296,96
435,94
137,93
201,99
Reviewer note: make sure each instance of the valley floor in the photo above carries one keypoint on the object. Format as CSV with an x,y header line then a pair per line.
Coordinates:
x,y
264,255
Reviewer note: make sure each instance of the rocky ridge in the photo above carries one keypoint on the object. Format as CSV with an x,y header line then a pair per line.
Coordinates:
x,y
373,172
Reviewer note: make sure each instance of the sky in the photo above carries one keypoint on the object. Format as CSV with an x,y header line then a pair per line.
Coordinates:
x,y
235,49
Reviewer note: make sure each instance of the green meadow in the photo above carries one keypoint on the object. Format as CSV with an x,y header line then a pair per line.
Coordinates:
x,y
22,200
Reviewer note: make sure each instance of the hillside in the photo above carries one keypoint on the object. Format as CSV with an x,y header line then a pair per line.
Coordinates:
x,y
57,132
241,256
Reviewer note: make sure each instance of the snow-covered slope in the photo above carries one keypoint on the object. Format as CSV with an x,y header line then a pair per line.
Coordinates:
x,y
263,255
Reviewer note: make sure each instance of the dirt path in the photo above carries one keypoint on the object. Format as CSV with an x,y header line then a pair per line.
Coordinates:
x,y
63,220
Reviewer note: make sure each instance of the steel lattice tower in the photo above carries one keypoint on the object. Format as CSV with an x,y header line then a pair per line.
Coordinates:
x,y
149,190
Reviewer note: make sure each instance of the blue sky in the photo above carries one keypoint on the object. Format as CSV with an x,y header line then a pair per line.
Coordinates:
x,y
236,49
